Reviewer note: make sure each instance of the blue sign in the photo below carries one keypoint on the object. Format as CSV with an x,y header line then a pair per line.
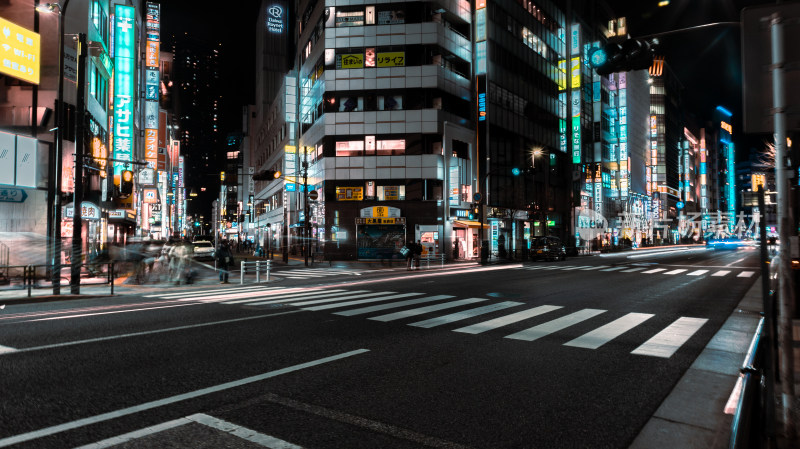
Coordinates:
x,y
275,19
680,205
124,72
12,195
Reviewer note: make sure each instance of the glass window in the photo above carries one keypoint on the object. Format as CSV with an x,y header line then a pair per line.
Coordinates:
x,y
350,148
391,193
391,147
349,18
390,102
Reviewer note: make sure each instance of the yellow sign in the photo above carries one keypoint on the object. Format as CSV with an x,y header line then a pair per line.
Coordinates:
x,y
349,193
352,61
576,72
726,127
380,211
392,59
758,180
20,49
379,221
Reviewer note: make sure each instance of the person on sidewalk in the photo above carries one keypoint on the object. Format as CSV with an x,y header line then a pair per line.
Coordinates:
x,y
417,253
408,252
224,259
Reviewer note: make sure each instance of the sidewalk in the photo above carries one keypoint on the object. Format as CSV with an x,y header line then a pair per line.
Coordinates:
x,y
693,414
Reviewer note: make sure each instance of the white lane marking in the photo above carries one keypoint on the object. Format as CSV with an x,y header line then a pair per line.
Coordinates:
x,y
721,273
65,317
579,267
506,320
632,270
655,270
697,273
745,274
556,325
392,305
158,331
735,262
298,277
426,309
458,316
52,430
130,436
205,292
7,349
666,342
359,301
595,267
613,268
342,298
610,331
673,272
242,432
293,296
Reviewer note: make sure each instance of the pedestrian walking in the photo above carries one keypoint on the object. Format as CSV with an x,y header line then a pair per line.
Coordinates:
x,y
408,252
224,258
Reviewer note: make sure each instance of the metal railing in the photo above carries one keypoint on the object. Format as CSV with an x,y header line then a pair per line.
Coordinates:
x,y
439,258
257,267
747,426
30,277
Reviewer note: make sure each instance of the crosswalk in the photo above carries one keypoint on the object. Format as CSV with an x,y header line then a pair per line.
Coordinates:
x,y
643,270
312,273
490,317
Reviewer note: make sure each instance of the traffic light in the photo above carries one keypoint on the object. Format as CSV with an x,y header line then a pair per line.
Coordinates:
x,y
267,175
126,183
633,54
474,211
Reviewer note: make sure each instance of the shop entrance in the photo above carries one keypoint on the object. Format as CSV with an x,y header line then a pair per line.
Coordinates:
x,y
378,240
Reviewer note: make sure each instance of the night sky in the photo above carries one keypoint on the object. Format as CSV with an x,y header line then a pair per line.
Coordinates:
x,y
707,62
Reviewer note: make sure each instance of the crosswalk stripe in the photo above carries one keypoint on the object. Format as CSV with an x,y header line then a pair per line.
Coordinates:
x,y
296,297
697,273
361,301
458,316
226,290
678,271
721,273
632,270
610,331
654,270
222,295
745,274
597,267
579,267
506,320
392,305
614,268
556,325
426,309
323,301
294,294
666,342
299,277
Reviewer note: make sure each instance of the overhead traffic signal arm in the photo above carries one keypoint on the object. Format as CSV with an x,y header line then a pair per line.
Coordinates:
x,y
267,175
632,54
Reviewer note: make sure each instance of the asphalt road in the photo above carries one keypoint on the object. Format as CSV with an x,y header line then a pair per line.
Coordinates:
x,y
577,353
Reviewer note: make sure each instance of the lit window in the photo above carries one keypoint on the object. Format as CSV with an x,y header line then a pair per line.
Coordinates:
x,y
391,147
350,148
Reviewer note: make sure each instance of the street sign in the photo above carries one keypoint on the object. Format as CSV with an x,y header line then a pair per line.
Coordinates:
x,y
680,205
313,195
12,195
477,197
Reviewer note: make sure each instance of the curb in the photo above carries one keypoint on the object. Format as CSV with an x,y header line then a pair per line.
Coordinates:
x,y
692,415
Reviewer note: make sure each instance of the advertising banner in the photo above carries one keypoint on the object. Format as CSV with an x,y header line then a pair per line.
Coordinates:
x,y
151,84
392,59
151,147
20,52
124,51
350,61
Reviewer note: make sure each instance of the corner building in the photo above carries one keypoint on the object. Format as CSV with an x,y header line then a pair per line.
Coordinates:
x,y
385,129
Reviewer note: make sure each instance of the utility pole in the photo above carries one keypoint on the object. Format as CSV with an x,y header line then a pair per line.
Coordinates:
x,y
307,221
785,284
77,199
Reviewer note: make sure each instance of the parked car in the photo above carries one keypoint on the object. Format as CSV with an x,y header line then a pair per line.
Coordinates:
x,y
203,250
548,248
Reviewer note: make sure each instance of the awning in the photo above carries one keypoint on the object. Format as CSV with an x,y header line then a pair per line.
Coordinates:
x,y
468,224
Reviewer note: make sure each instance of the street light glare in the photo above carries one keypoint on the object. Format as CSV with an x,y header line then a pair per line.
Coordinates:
x,y
48,8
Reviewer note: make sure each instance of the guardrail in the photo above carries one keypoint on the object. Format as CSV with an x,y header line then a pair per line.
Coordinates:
x,y
428,259
30,275
258,267
747,426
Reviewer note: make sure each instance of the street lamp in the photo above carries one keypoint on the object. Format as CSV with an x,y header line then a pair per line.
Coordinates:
x,y
54,184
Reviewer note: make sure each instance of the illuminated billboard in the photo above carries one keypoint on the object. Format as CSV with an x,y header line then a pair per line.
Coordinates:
x,y
20,49
124,52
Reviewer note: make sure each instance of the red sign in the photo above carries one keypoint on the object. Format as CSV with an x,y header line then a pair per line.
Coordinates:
x,y
150,196
162,129
150,144
162,162
151,57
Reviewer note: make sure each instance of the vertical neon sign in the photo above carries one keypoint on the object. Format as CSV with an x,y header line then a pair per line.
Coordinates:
x,y
575,84
124,40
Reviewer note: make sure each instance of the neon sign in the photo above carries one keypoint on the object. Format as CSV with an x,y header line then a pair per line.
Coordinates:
x,y
275,19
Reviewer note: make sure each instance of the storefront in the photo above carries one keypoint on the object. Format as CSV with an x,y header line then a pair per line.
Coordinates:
x,y
380,233
465,239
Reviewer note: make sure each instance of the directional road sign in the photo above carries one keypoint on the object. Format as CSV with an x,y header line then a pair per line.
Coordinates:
x,y
12,195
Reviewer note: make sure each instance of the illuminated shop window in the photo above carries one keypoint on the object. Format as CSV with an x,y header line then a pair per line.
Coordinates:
x,y
391,193
350,148
391,147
